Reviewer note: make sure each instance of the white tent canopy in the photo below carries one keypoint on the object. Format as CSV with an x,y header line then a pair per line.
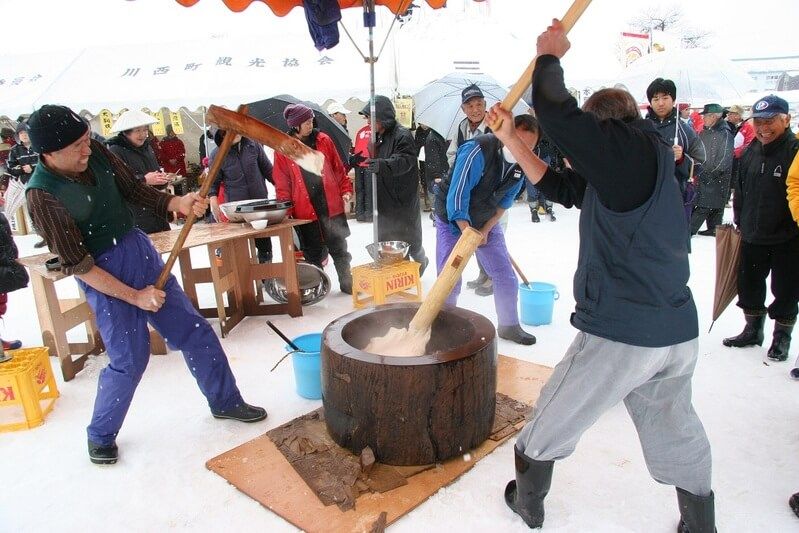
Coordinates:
x,y
24,77
192,74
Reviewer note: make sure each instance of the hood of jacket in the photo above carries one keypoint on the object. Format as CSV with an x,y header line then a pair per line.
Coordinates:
x,y
384,112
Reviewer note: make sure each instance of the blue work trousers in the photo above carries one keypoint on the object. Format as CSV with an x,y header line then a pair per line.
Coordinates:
x,y
123,328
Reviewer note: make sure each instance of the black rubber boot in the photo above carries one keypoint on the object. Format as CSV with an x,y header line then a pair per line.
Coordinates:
x,y
534,214
525,495
516,334
481,279
243,412
103,455
781,341
752,333
344,272
485,290
697,513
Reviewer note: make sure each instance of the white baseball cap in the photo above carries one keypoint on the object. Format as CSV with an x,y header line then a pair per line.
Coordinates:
x,y
335,107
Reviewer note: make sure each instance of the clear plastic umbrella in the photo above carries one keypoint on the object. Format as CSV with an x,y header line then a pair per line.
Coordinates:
x,y
438,104
701,77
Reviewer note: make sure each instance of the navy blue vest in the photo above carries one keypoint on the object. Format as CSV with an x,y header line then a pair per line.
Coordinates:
x,y
632,273
498,178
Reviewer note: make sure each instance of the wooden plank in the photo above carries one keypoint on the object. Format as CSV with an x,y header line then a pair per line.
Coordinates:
x,y
258,469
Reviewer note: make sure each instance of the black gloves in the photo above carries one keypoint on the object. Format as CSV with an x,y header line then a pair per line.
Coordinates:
x,y
355,160
373,165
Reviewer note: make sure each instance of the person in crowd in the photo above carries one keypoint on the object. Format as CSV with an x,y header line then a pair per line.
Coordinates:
x,y
322,199
77,198
689,152
22,159
742,129
13,276
536,201
473,105
205,143
638,323
339,114
716,173
396,167
7,138
131,145
363,179
244,173
482,186
769,234
436,166
419,138
173,153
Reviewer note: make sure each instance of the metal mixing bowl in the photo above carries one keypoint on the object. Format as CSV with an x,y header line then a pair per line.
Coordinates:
x,y
274,215
388,252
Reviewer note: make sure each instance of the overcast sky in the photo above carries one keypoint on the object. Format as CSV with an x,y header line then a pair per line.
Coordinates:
x,y
42,25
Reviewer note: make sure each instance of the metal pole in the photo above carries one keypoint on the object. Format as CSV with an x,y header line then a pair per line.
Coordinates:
x,y
369,22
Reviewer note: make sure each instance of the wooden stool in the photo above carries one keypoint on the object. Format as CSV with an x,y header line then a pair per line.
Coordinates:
x,y
373,284
23,381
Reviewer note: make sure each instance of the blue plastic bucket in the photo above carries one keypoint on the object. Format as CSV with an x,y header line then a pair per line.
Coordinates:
x,y
536,301
308,365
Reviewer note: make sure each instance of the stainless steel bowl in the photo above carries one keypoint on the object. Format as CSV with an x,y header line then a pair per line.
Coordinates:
x,y
229,209
388,252
313,282
272,215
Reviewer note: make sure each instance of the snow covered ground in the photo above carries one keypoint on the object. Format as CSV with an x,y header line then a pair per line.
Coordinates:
x,y
749,408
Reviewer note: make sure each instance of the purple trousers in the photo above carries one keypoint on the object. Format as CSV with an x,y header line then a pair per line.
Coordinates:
x,y
123,328
495,260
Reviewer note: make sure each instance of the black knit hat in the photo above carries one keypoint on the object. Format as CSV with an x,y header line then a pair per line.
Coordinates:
x,y
53,127
659,85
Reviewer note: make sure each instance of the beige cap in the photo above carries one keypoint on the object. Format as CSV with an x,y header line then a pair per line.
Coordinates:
x,y
736,109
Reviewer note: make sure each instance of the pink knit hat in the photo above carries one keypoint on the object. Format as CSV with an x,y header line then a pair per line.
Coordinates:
x,y
296,114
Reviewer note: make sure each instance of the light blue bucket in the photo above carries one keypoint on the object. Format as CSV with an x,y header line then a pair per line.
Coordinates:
x,y
537,301
307,365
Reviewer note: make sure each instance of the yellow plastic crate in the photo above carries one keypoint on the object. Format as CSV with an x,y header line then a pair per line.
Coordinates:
x,y
27,381
372,284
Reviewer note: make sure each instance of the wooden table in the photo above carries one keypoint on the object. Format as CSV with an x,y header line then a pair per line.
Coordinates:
x,y
234,271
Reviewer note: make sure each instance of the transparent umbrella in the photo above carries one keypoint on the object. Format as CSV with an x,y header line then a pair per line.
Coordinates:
x,y
438,104
701,77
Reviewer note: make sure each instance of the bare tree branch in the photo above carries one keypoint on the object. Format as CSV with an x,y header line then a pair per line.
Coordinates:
x,y
657,18
695,38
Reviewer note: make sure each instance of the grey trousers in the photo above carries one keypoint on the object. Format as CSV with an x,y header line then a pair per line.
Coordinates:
x,y
655,384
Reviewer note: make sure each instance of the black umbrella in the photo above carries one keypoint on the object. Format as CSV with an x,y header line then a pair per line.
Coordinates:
x,y
270,111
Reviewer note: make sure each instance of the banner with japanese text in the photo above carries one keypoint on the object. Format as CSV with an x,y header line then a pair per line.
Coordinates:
x,y
177,122
404,109
159,128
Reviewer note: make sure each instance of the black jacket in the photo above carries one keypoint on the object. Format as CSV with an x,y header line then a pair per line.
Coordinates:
x,y
13,275
714,180
19,156
141,161
435,156
243,172
760,206
397,178
693,149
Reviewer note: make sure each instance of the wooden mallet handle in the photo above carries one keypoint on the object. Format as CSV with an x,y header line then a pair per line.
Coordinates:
x,y
469,241
518,271
515,94
184,231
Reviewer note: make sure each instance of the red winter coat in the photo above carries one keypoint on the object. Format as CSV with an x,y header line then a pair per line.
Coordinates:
x,y
362,140
173,148
289,184
748,131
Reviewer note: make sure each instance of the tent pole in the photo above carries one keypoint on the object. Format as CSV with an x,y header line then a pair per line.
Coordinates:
x,y
205,134
369,22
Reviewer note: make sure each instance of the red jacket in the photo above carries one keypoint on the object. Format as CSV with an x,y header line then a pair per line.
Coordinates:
x,y
173,148
289,184
748,131
362,140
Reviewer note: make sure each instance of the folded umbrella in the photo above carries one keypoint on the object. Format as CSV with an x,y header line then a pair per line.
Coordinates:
x,y
728,255
14,196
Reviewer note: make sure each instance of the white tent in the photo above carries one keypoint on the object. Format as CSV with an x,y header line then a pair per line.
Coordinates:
x,y
23,78
225,72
